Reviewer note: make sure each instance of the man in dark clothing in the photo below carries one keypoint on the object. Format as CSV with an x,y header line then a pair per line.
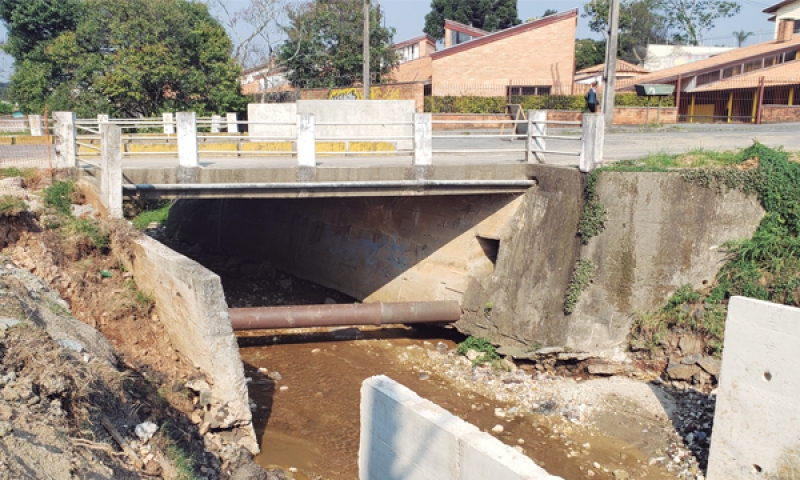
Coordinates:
x,y
591,99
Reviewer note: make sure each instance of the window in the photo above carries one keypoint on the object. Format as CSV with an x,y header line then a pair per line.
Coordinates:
x,y
519,90
790,56
754,65
458,38
732,71
770,61
797,27
707,78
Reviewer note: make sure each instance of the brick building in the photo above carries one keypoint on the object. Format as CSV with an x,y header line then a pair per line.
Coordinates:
x,y
532,58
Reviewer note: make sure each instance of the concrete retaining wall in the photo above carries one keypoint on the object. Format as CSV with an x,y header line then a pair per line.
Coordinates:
x,y
191,304
350,112
756,422
404,436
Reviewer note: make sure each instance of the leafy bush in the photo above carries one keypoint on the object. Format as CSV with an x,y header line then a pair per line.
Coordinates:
x,y
593,216
581,276
477,104
146,217
11,205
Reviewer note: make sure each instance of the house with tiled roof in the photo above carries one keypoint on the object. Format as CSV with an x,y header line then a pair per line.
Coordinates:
x,y
786,10
593,74
537,57
745,84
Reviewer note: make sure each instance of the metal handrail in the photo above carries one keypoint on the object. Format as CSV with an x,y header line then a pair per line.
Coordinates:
x,y
479,122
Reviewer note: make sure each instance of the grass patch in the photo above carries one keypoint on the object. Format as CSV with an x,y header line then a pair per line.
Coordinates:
x,y
487,353
765,266
59,195
662,162
25,173
87,228
12,206
146,217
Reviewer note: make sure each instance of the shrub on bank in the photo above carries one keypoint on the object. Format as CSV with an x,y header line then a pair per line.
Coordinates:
x,y
472,104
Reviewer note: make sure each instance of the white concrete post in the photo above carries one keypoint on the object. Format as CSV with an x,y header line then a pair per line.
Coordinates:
x,y
111,165
35,122
306,140
66,146
169,123
537,129
233,127
102,118
423,139
216,123
593,141
187,140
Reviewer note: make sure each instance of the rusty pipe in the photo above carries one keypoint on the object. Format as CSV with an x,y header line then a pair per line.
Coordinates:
x,y
337,315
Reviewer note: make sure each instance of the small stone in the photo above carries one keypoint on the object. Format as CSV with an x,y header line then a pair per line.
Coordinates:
x,y
690,345
590,473
519,449
293,469
587,446
441,347
604,369
596,465
710,365
424,376
472,355
205,398
497,428
204,428
691,359
5,429
276,376
315,350
145,431
681,372
621,475
196,417
263,370
499,413
521,441
283,388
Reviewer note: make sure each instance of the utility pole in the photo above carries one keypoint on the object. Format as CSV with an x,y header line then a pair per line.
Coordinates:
x,y
610,72
366,49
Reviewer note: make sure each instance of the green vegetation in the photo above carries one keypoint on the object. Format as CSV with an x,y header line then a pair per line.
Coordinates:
x,y
477,104
121,57
766,266
489,15
146,217
487,352
581,276
593,216
324,45
25,173
87,228
59,195
181,460
11,205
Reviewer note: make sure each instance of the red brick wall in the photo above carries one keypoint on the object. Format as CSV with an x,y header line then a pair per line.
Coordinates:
x,y
780,113
543,56
414,71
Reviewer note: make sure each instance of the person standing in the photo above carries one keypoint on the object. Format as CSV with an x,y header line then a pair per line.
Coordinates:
x,y
591,98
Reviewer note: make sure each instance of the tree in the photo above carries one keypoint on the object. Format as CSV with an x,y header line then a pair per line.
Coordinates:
x,y
589,53
325,42
489,15
32,22
640,23
693,17
126,58
741,36
549,12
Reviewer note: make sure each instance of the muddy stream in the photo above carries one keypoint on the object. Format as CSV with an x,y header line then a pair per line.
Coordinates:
x,y
305,384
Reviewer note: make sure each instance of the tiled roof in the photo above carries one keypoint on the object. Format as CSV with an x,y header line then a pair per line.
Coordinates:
x,y
778,6
731,57
525,27
784,74
622,66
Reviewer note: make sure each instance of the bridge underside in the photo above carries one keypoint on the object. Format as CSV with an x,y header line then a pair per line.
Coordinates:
x,y
389,181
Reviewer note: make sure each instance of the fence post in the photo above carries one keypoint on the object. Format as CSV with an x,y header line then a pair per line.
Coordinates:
x,y
306,147
102,118
111,165
169,123
65,139
423,139
535,141
188,159
233,127
593,139
35,122
216,123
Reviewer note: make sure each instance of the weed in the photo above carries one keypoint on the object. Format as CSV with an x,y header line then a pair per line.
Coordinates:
x,y
581,276
181,460
25,173
58,196
147,217
593,216
487,310
487,352
12,206
88,228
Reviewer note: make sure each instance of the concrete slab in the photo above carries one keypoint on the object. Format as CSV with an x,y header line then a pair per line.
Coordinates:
x,y
405,437
757,423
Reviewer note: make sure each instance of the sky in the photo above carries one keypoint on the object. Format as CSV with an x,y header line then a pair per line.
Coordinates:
x,y
408,19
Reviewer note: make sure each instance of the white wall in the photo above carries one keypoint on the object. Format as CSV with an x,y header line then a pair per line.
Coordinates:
x,y
405,437
757,419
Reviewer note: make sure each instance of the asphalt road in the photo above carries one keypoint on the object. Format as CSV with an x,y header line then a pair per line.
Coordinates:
x,y
621,144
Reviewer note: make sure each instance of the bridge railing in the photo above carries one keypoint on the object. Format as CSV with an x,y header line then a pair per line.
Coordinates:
x,y
186,137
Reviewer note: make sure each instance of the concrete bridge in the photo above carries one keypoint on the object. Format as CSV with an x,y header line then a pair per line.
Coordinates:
x,y
337,149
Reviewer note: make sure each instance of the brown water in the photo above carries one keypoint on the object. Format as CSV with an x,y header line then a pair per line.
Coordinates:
x,y
313,425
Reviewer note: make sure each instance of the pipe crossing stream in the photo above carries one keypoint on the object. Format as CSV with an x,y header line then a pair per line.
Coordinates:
x,y
336,315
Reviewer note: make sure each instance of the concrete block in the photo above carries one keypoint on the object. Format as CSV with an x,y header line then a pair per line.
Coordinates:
x,y
593,140
405,437
187,139
756,422
423,139
65,139
306,135
535,140
275,120
190,303
35,125
169,123
233,127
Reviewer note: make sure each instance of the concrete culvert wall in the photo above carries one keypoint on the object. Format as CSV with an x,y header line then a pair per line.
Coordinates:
x,y
191,304
507,258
